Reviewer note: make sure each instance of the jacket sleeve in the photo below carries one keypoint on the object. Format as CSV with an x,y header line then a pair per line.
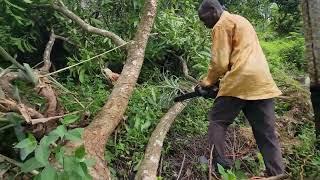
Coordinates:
x,y
220,55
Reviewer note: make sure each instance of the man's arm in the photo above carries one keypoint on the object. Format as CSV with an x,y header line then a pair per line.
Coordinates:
x,y
221,52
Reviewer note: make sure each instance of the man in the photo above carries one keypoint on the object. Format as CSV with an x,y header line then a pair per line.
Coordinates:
x,y
246,84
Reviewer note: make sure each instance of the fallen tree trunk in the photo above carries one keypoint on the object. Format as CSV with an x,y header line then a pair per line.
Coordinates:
x,y
149,166
98,132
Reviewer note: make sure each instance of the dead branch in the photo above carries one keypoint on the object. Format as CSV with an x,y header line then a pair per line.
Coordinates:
x,y
44,120
47,52
185,70
149,165
181,168
7,105
60,7
106,121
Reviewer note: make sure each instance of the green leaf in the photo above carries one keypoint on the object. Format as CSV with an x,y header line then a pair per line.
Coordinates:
x,y
222,172
59,154
59,131
15,6
146,125
70,119
16,94
27,1
31,76
51,138
27,146
261,162
75,134
18,130
85,171
70,163
14,118
80,152
231,175
48,173
96,22
18,43
90,162
31,165
42,154
63,176
82,75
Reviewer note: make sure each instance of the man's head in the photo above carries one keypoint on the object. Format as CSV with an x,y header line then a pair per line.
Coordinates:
x,y
210,12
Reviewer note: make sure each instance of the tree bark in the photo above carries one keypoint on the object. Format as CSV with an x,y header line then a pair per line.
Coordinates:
x,y
149,166
98,132
311,16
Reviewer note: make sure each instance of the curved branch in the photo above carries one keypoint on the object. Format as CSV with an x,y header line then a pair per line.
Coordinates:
x,y
46,55
85,26
149,166
185,70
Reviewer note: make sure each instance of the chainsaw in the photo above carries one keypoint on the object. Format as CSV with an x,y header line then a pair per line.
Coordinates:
x,y
199,91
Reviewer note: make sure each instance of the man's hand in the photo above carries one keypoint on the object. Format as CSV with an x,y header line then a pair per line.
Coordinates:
x,y
206,92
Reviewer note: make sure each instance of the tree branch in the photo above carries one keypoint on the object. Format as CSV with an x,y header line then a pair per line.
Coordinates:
x,y
43,120
47,52
66,40
10,105
149,165
85,26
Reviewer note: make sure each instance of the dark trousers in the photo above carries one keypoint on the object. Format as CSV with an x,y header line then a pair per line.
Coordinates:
x,y
315,98
261,116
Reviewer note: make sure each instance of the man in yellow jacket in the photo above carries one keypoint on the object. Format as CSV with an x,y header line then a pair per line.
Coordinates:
x,y
245,84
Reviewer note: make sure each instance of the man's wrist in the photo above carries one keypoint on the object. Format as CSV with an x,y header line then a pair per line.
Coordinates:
x,y
205,83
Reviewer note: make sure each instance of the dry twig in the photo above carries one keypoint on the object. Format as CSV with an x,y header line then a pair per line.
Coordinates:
x,y
182,164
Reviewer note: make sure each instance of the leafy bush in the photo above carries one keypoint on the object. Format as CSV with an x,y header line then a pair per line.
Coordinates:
x,y
49,157
286,54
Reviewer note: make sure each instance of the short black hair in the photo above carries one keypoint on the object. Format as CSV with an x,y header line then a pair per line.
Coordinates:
x,y
208,5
